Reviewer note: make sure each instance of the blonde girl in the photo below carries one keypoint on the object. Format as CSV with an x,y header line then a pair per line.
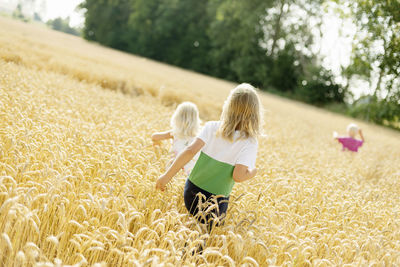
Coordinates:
x,y
228,151
350,142
185,124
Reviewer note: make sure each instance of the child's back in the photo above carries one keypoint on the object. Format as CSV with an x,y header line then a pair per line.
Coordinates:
x,y
350,143
218,158
178,145
185,123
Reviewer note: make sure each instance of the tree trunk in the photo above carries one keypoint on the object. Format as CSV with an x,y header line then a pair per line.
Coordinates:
x,y
277,29
382,70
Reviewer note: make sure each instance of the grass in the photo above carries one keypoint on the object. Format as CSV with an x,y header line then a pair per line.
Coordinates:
x,y
77,169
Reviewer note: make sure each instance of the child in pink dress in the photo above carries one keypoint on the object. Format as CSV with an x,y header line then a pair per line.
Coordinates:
x,y
350,142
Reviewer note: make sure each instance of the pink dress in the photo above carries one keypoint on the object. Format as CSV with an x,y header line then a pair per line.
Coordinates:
x,y
350,143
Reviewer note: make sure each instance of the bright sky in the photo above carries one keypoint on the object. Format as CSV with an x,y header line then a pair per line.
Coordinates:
x,y
336,47
64,8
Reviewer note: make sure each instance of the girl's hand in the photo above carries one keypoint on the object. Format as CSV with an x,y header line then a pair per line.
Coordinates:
x,y
156,143
161,183
158,137
253,172
361,135
242,173
180,161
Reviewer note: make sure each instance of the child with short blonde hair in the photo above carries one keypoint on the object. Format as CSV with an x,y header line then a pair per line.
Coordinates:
x,y
185,124
350,142
228,151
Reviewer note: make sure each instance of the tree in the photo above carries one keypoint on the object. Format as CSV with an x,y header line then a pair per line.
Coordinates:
x,y
171,31
60,24
376,49
376,58
17,14
265,42
37,17
235,35
106,21
320,89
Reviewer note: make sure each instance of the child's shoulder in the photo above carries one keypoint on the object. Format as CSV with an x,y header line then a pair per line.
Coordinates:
x,y
212,125
250,141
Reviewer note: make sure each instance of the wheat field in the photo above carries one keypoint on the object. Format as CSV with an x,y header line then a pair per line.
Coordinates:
x,y
78,169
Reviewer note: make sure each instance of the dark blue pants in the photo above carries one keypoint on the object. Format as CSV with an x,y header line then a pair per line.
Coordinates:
x,y
198,202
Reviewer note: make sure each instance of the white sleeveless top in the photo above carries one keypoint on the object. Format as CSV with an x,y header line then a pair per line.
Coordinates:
x,y
178,145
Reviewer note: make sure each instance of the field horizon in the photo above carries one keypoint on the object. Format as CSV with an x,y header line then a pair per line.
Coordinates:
x,y
78,169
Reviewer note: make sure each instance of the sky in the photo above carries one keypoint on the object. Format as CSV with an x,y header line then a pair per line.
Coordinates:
x,y
49,9
64,8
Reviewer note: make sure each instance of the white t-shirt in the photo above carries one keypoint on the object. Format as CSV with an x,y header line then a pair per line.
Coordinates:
x,y
178,145
240,151
214,168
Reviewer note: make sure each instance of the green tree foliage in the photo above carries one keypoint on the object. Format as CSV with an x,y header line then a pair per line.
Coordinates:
x,y
60,24
29,10
235,33
171,31
377,43
380,111
36,17
376,57
320,89
264,42
284,73
17,14
106,21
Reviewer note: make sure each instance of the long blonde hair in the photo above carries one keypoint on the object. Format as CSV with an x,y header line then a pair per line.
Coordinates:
x,y
242,112
185,121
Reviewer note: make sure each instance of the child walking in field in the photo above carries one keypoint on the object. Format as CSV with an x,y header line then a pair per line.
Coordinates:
x,y
228,155
350,142
185,124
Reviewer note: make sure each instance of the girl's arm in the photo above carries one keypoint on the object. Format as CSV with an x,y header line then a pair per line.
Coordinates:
x,y
184,157
242,173
157,137
361,135
337,137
